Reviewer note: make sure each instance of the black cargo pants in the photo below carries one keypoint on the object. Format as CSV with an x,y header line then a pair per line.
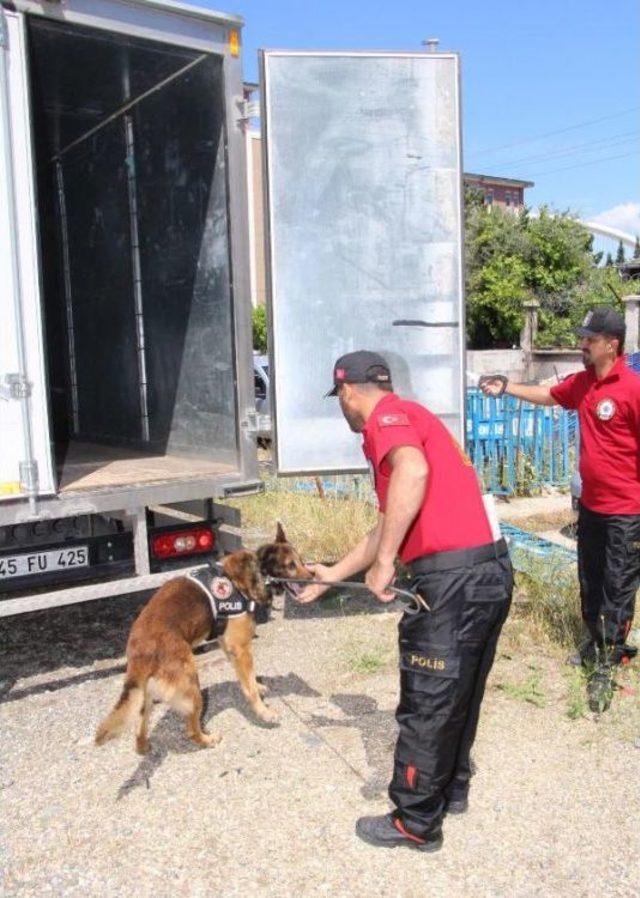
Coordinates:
x,y
445,657
609,573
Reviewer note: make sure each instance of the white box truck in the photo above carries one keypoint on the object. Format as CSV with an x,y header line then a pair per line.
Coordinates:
x,y
126,376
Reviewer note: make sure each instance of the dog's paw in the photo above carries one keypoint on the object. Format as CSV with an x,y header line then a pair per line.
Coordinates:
x,y
263,689
268,715
210,739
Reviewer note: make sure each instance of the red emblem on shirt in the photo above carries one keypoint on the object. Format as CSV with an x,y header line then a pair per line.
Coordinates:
x,y
394,420
606,409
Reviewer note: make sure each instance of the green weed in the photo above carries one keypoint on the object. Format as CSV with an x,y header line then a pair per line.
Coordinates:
x,y
529,691
576,693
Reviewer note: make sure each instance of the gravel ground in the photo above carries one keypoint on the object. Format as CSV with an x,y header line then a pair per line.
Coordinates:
x,y
271,811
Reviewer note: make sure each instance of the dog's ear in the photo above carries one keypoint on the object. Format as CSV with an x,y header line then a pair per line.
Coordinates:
x,y
244,570
280,534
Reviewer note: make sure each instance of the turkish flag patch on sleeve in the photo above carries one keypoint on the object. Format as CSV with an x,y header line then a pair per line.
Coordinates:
x,y
398,420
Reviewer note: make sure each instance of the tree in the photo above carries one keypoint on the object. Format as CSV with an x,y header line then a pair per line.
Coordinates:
x,y
620,254
494,274
259,328
636,249
609,261
511,258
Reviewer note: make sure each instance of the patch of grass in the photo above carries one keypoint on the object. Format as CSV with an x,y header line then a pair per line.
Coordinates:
x,y
529,691
550,604
320,529
576,693
368,662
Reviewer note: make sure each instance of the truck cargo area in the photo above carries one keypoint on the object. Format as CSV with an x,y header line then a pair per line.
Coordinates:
x,y
132,202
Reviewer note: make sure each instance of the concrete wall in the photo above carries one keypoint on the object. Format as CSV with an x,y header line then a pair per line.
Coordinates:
x,y
509,362
512,363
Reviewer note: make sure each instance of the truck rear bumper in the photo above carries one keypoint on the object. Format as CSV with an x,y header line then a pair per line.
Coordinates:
x,y
89,592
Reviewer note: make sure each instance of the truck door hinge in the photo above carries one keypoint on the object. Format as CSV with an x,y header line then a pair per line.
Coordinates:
x,y
255,422
247,109
15,386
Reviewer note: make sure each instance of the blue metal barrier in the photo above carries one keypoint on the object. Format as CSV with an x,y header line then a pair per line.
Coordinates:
x,y
515,445
538,557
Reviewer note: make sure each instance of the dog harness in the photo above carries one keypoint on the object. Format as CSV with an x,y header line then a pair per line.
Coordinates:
x,y
225,599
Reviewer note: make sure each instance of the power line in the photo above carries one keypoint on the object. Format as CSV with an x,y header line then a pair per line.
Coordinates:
x,y
594,121
624,137
581,164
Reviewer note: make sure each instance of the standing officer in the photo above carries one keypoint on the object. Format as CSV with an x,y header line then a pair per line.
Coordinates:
x,y
432,516
607,397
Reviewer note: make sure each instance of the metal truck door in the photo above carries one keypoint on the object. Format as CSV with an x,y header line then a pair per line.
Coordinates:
x,y
25,456
363,178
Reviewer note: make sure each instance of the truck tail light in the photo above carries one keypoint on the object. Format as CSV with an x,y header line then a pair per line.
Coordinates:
x,y
189,541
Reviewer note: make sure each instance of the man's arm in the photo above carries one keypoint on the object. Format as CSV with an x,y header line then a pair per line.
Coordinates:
x,y
530,393
406,492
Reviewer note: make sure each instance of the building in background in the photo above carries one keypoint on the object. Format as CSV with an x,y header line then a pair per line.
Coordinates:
x,y
505,192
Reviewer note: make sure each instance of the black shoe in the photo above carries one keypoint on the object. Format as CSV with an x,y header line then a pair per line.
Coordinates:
x,y
457,805
622,654
586,655
382,831
600,689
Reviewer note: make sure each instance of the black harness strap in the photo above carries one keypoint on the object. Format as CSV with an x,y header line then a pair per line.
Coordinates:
x,y
224,598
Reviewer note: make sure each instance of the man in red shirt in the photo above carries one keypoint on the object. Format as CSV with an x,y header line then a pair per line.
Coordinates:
x,y
607,397
433,518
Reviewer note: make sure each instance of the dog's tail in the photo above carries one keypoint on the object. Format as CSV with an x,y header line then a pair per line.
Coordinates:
x,y
128,707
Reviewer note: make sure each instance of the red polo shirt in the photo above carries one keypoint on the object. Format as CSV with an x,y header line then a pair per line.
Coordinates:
x,y
609,415
452,514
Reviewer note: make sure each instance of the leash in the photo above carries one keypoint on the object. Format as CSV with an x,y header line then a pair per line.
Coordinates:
x,y
414,603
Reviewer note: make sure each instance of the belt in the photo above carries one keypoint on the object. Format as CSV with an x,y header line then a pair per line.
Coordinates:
x,y
444,561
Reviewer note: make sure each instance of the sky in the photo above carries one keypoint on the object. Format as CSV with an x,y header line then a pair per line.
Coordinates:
x,y
550,89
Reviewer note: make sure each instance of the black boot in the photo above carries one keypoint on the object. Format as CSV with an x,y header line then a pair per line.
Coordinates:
x,y
385,832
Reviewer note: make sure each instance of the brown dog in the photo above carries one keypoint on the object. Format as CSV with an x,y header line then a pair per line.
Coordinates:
x,y
160,661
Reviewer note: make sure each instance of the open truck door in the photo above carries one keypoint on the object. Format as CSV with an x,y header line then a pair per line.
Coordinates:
x,y
363,182
125,346
26,468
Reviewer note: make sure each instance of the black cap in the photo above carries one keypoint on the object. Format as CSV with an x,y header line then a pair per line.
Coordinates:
x,y
602,320
360,367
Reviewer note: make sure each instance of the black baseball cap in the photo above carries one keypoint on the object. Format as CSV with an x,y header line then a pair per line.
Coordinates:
x,y
602,320
361,367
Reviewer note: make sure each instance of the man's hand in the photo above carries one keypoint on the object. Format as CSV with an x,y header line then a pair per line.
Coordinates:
x,y
379,576
493,384
315,590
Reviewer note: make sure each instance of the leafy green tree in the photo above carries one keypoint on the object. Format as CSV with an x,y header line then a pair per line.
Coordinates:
x,y
609,261
620,254
259,328
636,249
511,258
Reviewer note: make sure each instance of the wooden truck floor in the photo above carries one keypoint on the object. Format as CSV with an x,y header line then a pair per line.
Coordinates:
x,y
88,466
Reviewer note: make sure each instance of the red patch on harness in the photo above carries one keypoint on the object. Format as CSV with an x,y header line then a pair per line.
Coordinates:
x,y
394,420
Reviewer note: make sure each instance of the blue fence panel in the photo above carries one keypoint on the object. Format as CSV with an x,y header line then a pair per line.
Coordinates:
x,y
514,444
541,559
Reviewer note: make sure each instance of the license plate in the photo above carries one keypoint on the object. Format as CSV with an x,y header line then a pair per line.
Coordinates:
x,y
43,562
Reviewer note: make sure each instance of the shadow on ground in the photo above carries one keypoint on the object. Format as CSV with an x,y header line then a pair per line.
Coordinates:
x,y
377,731
86,634
168,736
